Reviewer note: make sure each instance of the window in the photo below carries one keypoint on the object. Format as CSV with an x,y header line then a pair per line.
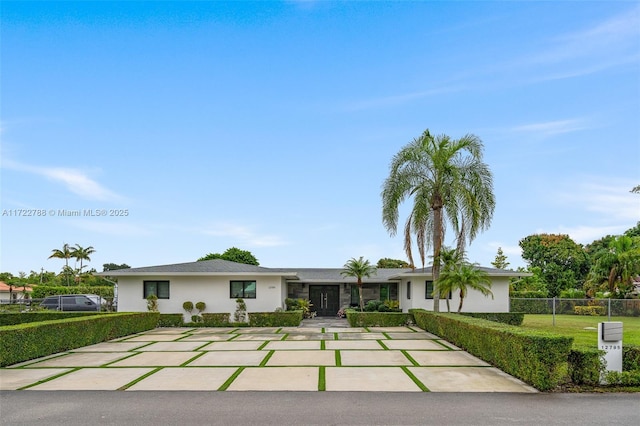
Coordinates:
x,y
243,289
159,288
429,290
408,289
384,292
355,295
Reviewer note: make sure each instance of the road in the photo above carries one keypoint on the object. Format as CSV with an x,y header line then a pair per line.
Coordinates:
x,y
314,408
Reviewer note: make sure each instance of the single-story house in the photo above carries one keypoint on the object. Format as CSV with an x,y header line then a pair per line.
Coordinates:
x,y
14,293
218,283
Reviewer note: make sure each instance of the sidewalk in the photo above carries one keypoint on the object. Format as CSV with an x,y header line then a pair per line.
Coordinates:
x,y
306,358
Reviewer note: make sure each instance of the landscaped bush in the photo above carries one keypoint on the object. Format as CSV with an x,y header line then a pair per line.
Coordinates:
x,y
512,318
378,319
626,378
535,357
25,317
585,366
275,319
170,320
529,294
589,310
23,342
630,358
216,320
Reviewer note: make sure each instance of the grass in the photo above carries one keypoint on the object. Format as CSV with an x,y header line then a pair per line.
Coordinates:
x,y
574,326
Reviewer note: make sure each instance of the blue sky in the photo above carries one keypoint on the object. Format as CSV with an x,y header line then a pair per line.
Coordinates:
x,y
269,126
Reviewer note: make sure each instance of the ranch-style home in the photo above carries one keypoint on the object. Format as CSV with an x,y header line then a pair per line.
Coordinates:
x,y
219,283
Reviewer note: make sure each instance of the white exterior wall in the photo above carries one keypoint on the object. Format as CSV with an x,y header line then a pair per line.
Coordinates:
x,y
473,302
212,290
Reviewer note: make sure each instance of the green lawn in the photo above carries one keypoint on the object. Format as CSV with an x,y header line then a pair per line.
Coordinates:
x,y
574,325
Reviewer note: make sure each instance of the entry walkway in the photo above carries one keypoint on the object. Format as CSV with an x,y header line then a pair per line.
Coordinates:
x,y
402,359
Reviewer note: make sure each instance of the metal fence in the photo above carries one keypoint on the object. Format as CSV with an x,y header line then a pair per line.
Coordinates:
x,y
596,307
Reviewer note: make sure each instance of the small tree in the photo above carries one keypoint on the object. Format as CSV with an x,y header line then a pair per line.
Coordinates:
x,y
240,314
188,306
462,278
201,306
233,254
358,269
152,303
500,262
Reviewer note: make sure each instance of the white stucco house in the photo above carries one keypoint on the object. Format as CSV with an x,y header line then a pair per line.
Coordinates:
x,y
219,283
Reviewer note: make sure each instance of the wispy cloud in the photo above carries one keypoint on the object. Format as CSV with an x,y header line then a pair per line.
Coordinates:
x,y
244,235
112,228
608,197
75,180
400,99
551,128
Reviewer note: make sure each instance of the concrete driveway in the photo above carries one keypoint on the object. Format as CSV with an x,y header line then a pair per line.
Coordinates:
x,y
397,359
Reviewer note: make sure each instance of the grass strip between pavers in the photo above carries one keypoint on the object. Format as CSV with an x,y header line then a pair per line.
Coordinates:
x,y
202,346
261,347
234,337
322,330
383,345
184,364
415,379
323,345
284,337
144,376
322,381
230,380
335,336
266,358
338,359
278,330
48,379
410,358
386,335
118,360
439,342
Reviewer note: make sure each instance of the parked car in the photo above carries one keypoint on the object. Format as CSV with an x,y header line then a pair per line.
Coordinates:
x,y
70,302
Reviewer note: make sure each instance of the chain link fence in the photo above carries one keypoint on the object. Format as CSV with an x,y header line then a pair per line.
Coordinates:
x,y
594,307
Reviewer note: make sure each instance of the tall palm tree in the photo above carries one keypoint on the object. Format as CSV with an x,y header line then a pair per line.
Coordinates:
x,y
358,268
81,254
66,253
463,277
448,182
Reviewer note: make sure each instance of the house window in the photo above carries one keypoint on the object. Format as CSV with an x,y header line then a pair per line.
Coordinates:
x,y
355,295
408,289
159,288
243,289
384,292
429,291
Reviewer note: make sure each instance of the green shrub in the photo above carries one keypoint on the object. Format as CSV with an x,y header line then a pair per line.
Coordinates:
x,y
512,318
170,320
572,293
589,310
201,306
41,291
25,317
152,303
535,357
529,294
378,319
585,366
630,358
187,306
530,305
216,319
626,378
275,319
23,342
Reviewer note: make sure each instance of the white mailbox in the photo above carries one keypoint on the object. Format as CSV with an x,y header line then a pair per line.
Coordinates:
x,y
610,341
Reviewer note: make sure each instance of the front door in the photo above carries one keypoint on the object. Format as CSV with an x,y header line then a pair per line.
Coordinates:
x,y
325,299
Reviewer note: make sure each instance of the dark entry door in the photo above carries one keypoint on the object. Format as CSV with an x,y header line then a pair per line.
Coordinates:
x,y
325,299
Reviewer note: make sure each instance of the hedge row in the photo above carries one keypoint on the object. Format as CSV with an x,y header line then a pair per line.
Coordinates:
x,y
275,319
40,292
378,319
170,320
511,318
14,318
216,319
23,342
535,357
586,368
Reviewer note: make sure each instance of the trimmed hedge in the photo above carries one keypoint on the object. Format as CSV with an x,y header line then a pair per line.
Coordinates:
x,y
170,320
590,310
42,291
23,342
26,317
585,366
630,358
378,319
535,357
275,319
511,318
216,319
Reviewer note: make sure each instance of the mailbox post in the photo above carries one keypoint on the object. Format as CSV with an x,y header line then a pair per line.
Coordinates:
x,y
610,341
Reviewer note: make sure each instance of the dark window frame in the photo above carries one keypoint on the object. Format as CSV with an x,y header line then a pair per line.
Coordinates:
x,y
244,289
428,294
146,290
408,290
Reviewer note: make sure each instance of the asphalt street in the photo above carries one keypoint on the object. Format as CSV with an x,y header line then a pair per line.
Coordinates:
x,y
314,408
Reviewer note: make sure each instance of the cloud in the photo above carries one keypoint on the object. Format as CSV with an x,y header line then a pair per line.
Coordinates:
x,y
551,128
244,235
395,100
75,180
610,198
508,250
585,234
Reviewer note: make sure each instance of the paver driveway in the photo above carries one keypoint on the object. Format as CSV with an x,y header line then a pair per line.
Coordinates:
x,y
401,359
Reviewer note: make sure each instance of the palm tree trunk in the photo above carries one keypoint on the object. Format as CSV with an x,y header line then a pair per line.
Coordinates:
x,y
461,300
437,247
360,294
